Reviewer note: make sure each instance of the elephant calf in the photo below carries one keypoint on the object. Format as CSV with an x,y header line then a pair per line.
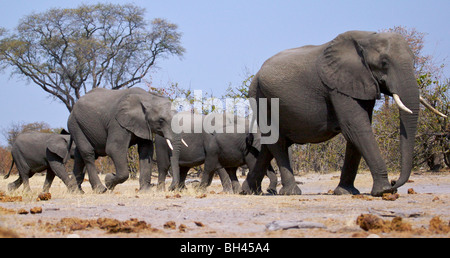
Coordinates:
x,y
221,152
35,152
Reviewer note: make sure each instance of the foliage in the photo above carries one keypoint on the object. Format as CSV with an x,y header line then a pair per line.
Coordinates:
x,y
67,52
241,91
5,161
15,129
197,101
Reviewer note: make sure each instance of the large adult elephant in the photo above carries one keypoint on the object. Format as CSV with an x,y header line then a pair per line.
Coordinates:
x,y
222,150
330,89
35,152
106,122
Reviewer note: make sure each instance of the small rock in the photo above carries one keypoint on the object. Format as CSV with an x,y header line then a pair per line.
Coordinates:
x,y
411,191
199,224
73,236
373,236
284,225
36,210
22,211
182,228
170,225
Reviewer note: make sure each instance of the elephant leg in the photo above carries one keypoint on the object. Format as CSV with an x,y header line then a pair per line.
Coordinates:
x,y
234,180
270,173
225,180
16,184
57,167
183,174
281,154
24,173
211,165
50,175
145,149
78,169
163,167
118,151
251,159
87,154
349,170
26,182
354,120
252,184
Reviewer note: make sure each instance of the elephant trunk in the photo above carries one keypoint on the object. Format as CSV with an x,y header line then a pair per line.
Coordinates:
x,y
408,92
174,161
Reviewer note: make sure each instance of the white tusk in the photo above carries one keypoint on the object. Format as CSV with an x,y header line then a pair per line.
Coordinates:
x,y
401,105
169,143
185,144
425,103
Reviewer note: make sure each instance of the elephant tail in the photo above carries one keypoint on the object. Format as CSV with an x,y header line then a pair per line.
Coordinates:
x,y
10,169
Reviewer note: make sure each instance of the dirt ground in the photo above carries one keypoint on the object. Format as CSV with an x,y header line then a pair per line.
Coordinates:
x,y
423,212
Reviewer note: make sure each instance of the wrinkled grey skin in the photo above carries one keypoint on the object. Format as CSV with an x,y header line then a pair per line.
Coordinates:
x,y
107,122
189,158
330,89
35,152
221,152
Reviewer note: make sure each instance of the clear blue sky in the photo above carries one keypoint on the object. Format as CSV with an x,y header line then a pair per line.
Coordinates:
x,y
223,38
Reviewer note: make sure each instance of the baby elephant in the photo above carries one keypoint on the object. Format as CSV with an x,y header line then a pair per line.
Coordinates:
x,y
35,152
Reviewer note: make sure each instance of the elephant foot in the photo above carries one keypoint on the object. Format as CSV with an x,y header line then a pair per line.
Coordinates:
x,y
144,189
237,189
271,191
292,189
247,189
345,190
379,191
75,190
99,189
380,188
177,187
12,187
109,181
161,187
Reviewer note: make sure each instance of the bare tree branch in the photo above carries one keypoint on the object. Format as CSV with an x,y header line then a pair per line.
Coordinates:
x,y
68,52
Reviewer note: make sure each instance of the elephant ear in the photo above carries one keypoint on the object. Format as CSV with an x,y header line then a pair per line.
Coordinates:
x,y
342,67
131,116
58,145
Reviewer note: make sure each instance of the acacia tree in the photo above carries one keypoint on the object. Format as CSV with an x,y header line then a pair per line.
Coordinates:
x,y
68,52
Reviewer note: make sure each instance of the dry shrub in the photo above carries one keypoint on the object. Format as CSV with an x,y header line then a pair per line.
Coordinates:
x,y
112,226
7,233
6,198
375,224
438,226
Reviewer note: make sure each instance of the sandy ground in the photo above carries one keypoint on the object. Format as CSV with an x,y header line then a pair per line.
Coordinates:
x,y
127,213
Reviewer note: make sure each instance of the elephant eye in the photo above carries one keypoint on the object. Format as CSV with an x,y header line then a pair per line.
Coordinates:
x,y
161,120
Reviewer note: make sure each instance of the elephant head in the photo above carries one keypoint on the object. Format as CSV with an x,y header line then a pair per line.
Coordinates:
x,y
146,113
364,64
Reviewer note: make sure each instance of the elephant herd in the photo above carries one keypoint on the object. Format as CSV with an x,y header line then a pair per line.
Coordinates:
x,y
321,90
